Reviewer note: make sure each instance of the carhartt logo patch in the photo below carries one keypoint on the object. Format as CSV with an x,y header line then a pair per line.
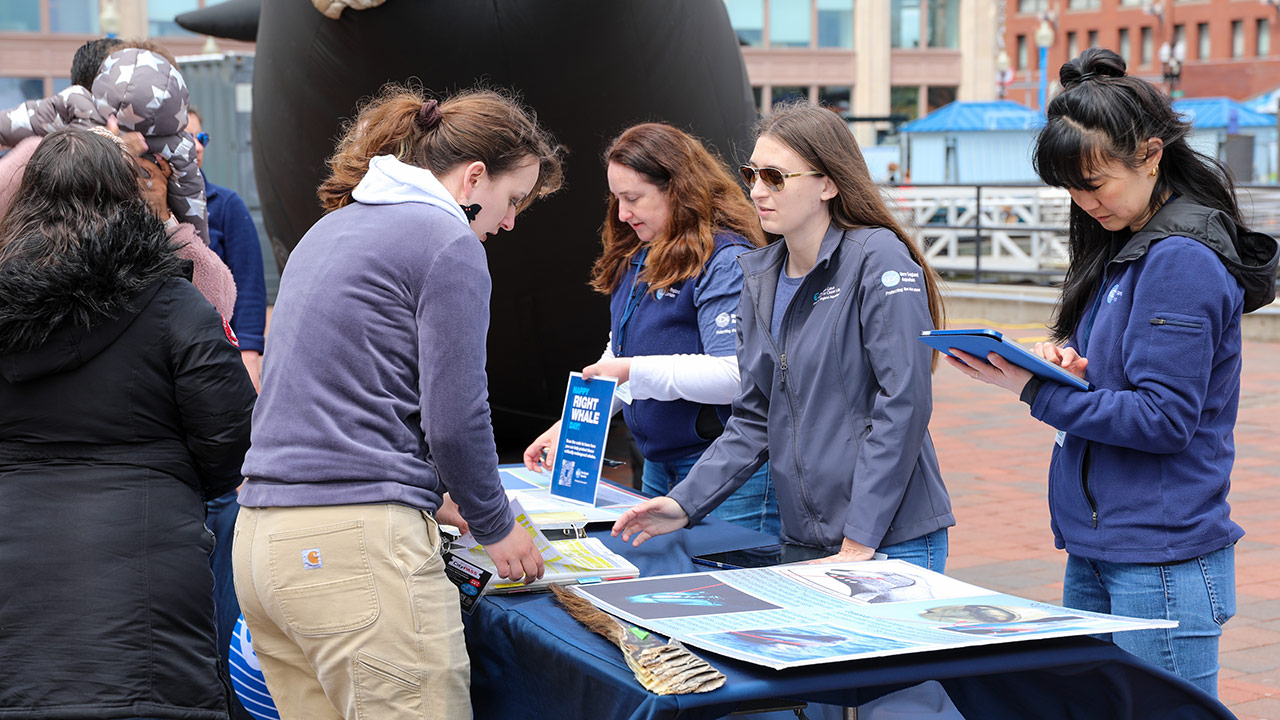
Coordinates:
x,y
311,559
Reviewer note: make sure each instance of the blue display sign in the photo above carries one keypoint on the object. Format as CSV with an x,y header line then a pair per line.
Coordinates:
x,y
584,426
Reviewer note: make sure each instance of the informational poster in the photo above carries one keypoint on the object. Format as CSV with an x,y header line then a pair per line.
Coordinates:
x,y
584,427
806,614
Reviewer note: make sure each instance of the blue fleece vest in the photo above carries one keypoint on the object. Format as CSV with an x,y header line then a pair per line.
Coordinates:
x,y
665,323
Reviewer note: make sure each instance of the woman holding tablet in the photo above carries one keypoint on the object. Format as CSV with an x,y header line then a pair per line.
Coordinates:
x,y
1161,269
836,388
677,222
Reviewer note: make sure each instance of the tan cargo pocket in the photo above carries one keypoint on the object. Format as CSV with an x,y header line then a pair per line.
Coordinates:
x,y
384,689
321,578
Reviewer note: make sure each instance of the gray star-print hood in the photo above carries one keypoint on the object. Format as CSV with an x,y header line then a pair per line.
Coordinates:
x,y
149,96
146,94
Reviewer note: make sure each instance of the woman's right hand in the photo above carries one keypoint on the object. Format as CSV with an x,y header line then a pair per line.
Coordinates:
x,y
1065,357
516,557
657,516
541,453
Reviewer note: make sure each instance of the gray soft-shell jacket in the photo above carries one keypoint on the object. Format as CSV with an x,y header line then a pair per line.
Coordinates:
x,y
841,407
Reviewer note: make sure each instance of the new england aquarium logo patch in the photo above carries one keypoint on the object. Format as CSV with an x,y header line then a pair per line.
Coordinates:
x,y
1114,293
890,278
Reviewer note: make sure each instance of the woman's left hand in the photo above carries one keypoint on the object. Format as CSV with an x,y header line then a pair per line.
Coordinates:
x,y
850,551
996,370
609,367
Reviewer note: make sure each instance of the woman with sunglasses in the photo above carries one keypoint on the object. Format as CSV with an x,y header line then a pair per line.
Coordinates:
x,y
677,222
836,390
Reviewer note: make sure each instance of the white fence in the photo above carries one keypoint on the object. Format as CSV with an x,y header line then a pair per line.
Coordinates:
x,y
1017,231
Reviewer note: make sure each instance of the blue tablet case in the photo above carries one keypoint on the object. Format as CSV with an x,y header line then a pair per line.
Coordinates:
x,y
978,342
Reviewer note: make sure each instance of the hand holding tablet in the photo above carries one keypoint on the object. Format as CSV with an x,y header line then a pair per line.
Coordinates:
x,y
979,342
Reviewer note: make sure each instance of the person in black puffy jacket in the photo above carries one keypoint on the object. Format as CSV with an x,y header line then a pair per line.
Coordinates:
x,y
123,406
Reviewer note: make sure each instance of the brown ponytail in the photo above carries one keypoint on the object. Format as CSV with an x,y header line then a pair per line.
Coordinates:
x,y
485,125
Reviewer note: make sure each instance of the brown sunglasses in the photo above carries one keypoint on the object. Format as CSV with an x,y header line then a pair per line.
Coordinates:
x,y
773,178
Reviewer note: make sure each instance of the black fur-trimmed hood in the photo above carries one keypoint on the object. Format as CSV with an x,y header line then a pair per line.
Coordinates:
x,y
57,315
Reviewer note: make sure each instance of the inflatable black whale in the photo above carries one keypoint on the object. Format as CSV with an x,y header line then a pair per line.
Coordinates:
x,y
589,68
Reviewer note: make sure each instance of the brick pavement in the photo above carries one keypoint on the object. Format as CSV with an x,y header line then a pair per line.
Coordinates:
x,y
1002,538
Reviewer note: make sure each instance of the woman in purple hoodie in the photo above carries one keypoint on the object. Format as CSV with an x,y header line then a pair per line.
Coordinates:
x,y
374,403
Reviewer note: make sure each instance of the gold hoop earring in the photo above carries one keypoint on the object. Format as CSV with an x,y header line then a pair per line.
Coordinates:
x,y
1153,171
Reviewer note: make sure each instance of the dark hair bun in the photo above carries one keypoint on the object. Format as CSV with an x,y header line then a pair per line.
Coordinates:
x,y
1091,64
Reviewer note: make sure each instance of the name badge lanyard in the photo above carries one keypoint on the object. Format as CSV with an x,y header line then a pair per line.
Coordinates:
x,y
633,300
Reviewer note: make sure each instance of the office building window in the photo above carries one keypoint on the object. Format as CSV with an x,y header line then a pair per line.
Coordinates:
x,y
1131,3
784,93
937,96
836,97
835,24
1237,38
60,84
757,97
17,90
20,16
1123,46
789,23
1146,50
905,100
73,16
1180,35
1202,41
1022,53
1084,4
1032,6
747,19
944,23
1073,44
160,14
1264,37
1093,38
904,23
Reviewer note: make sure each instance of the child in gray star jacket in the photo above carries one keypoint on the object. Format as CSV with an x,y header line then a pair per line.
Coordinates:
x,y
147,95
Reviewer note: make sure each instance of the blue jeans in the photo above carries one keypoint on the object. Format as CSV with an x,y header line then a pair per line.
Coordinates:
x,y
927,551
1199,593
753,506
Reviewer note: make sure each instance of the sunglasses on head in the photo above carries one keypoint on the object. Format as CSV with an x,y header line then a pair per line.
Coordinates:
x,y
773,178
203,137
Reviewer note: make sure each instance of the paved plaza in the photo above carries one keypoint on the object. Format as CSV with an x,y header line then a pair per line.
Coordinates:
x,y
995,459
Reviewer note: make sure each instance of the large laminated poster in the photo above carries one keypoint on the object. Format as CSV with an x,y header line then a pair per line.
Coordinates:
x,y
805,614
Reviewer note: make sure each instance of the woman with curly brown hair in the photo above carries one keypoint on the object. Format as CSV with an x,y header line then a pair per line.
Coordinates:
x,y
677,222
374,401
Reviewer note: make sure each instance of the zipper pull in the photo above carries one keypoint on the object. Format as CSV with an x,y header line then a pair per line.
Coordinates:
x,y
784,370
1157,321
1095,519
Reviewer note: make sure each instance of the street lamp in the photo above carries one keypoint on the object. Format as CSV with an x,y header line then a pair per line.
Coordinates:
x,y
1172,58
109,18
1004,73
1044,38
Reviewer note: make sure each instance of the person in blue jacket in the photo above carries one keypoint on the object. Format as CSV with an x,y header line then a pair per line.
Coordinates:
x,y
677,222
233,236
836,389
1161,269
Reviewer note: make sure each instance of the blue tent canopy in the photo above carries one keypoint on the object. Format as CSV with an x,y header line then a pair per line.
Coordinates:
x,y
976,116
1264,103
1216,112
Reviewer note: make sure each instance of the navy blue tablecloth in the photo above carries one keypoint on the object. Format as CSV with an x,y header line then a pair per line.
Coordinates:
x,y
530,659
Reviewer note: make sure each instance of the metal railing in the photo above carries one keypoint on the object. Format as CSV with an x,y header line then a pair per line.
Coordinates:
x,y
1015,231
